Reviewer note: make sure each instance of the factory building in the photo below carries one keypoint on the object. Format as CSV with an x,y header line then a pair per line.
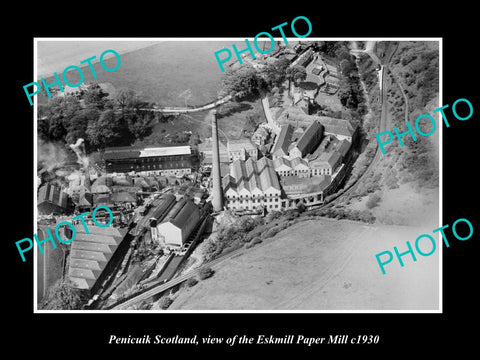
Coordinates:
x,y
252,184
164,161
241,149
342,129
308,142
172,222
51,200
282,142
91,253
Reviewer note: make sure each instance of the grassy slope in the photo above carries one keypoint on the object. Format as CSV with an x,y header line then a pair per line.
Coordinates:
x,y
162,71
321,265
392,178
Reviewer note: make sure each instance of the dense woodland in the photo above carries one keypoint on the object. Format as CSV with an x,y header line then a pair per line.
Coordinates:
x,y
99,120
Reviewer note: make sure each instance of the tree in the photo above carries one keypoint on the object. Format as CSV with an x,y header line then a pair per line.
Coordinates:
x,y
299,73
301,207
165,302
295,74
205,273
95,96
275,73
373,200
126,98
243,81
62,296
192,282
108,130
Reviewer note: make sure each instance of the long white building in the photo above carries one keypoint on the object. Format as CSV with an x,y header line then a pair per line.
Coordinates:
x,y
151,160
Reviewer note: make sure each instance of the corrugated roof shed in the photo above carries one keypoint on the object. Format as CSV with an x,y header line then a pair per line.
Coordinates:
x,y
162,205
52,194
90,253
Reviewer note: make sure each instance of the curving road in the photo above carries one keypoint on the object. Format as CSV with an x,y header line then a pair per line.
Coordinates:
x,y
183,110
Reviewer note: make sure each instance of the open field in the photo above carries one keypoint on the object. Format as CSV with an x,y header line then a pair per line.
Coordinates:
x,y
160,72
322,264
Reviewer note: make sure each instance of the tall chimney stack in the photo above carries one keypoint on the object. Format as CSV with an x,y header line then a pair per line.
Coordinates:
x,y
217,190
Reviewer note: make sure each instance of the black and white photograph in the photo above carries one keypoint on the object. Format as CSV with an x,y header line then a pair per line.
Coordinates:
x,y
199,180
260,187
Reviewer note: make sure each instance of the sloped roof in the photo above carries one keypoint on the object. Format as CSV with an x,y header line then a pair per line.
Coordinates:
x,y
78,183
101,199
103,180
294,185
239,144
122,180
283,140
90,253
328,158
206,145
128,152
181,212
52,194
123,197
251,175
99,189
298,164
281,162
343,147
309,135
140,181
337,126
86,199
162,205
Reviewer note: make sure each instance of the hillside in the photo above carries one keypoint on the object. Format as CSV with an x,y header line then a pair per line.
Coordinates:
x,y
412,170
321,265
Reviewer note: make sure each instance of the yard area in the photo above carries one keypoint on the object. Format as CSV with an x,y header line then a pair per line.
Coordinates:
x,y
332,101
239,119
